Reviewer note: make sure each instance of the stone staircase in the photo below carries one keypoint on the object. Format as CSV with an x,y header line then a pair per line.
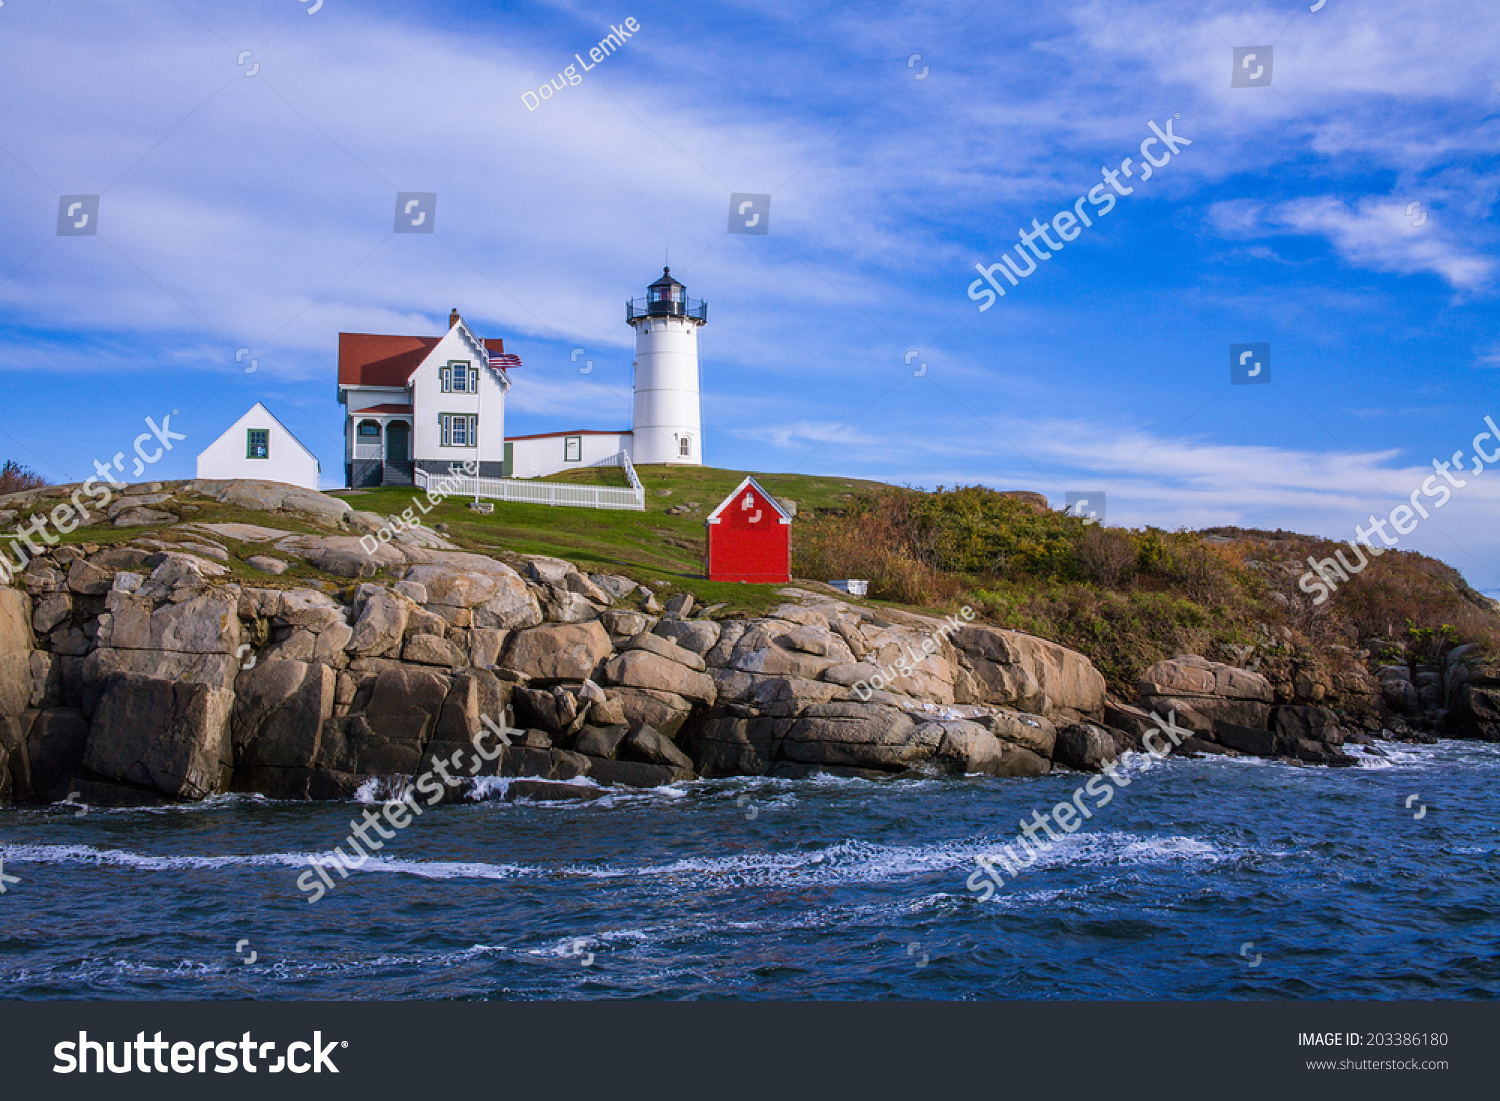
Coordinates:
x,y
396,474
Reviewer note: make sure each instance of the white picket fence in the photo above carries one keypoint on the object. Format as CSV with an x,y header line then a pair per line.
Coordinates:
x,y
533,491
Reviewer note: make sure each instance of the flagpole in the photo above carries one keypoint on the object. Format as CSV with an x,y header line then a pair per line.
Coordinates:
x,y
478,420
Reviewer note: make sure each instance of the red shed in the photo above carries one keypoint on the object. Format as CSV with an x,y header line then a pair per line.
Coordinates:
x,y
749,537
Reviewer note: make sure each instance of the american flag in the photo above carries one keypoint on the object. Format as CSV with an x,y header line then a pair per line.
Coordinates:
x,y
504,359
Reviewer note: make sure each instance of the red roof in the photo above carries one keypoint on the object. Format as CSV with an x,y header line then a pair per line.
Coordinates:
x,y
385,409
370,359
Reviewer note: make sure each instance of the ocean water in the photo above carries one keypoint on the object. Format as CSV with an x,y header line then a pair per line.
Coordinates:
x,y
1205,878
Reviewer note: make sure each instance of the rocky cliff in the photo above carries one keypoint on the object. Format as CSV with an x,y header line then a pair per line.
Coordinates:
x,y
182,663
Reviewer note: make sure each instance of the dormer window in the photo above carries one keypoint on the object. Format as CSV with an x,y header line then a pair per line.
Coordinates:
x,y
459,378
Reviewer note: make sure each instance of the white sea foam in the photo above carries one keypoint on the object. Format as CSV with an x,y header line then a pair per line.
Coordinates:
x,y
85,854
1393,754
840,863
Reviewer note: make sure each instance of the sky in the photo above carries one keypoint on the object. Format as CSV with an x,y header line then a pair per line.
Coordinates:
x,y
247,156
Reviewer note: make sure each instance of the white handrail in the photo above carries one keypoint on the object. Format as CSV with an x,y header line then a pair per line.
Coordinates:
x,y
537,492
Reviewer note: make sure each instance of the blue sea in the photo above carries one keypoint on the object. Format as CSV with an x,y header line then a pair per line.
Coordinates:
x,y
1204,879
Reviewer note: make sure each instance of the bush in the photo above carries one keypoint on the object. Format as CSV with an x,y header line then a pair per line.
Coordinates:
x,y
1108,557
1128,598
873,541
14,478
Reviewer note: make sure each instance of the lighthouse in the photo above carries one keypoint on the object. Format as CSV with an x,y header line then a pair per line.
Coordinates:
x,y
666,422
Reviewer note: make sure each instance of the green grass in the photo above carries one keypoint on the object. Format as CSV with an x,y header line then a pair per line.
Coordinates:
x,y
648,547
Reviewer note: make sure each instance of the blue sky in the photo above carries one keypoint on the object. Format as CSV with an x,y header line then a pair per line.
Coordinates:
x,y
256,212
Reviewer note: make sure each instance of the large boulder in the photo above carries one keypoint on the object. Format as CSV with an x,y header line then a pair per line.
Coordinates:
x,y
665,711
697,635
1192,675
1316,724
279,711
1186,675
386,732
1084,746
343,555
665,648
624,624
268,496
603,741
648,670
636,774
207,623
1206,692
431,650
861,735
645,744
557,651
963,747
1256,741
1473,699
15,651
381,623
171,738
1029,673
454,587
775,647
1034,733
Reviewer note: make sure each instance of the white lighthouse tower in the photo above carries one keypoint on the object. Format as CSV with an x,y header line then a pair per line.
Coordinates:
x,y
666,423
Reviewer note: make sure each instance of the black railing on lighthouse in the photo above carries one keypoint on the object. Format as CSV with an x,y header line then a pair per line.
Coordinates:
x,y
693,308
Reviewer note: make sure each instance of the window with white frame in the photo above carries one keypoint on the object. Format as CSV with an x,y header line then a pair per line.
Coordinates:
x,y
459,429
458,377
684,447
573,449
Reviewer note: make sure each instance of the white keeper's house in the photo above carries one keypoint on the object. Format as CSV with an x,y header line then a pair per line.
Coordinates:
x,y
428,402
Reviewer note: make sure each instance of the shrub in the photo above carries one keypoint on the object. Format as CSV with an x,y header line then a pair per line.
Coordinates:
x,y
1108,557
14,478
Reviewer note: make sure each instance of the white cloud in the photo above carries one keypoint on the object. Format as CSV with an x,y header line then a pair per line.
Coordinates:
x,y
1382,234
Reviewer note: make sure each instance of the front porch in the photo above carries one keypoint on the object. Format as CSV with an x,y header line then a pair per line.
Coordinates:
x,y
380,447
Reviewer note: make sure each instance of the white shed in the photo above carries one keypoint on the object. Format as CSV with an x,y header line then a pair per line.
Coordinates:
x,y
260,446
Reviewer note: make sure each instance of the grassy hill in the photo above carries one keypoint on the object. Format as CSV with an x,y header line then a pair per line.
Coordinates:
x,y
1126,598
650,546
